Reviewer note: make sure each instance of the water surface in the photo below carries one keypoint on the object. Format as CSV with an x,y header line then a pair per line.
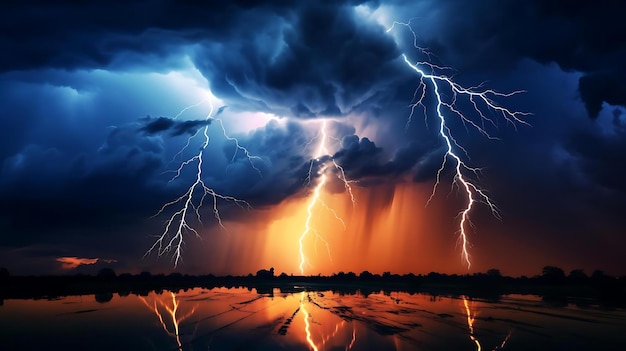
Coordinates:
x,y
242,319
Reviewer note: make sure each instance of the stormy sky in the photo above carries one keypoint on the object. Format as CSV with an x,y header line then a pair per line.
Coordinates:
x,y
92,119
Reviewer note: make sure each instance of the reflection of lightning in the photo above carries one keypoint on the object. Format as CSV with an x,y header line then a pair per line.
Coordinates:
x,y
171,316
307,324
339,326
171,239
322,150
470,324
506,339
349,347
481,100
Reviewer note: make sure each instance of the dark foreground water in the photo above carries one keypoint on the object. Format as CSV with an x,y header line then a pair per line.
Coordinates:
x,y
239,319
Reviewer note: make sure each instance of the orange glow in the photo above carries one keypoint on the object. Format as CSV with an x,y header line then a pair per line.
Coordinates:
x,y
73,262
387,230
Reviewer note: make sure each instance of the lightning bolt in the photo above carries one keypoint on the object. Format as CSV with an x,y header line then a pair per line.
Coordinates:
x,y
481,100
178,225
322,150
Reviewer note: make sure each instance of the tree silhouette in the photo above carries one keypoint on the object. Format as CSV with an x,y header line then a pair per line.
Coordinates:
x,y
4,273
598,275
494,273
577,276
264,273
106,274
366,275
553,275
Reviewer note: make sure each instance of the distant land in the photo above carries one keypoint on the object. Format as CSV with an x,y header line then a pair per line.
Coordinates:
x,y
553,285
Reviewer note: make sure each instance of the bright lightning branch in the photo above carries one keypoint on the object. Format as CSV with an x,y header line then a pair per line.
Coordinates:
x,y
481,100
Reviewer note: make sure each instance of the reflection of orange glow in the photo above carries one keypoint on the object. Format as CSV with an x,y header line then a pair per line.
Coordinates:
x,y
470,323
171,314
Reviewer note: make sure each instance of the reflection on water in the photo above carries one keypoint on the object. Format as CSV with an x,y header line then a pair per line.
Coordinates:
x,y
471,312
173,318
319,342
470,323
307,323
242,319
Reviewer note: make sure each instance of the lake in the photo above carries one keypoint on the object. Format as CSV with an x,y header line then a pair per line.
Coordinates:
x,y
242,319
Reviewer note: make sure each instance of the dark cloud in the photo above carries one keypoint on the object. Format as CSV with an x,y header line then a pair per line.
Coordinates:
x,y
72,71
45,190
306,59
597,88
303,59
361,158
597,155
494,35
319,60
173,127
283,164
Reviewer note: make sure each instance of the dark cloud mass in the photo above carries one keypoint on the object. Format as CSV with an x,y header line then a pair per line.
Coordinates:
x,y
581,36
271,56
316,58
172,126
363,159
77,77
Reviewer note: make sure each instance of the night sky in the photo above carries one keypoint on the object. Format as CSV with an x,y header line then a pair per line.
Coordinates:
x,y
90,132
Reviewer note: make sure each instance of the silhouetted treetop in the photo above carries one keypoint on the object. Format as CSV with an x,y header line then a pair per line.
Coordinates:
x,y
106,273
553,274
264,273
494,273
577,276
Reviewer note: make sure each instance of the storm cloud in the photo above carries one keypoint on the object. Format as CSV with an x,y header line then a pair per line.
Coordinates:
x,y
316,58
78,78
172,126
491,35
